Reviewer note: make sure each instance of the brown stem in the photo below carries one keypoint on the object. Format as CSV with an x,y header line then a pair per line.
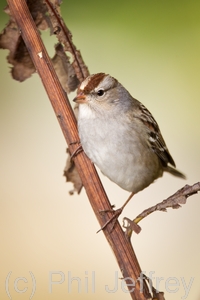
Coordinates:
x,y
121,246
81,73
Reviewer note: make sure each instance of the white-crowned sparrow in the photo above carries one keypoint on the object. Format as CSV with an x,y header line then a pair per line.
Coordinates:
x,y
120,135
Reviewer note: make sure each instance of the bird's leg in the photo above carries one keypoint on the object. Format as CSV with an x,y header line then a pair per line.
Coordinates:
x,y
116,213
77,150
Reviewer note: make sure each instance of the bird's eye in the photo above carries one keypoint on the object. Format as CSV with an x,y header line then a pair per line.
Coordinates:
x,y
100,92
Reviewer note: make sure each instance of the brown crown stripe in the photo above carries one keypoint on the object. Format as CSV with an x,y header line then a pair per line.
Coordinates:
x,y
94,82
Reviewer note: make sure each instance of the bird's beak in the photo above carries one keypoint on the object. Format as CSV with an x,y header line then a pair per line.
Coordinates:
x,y
80,98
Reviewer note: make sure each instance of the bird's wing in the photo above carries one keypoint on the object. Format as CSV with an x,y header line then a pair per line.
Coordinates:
x,y
156,140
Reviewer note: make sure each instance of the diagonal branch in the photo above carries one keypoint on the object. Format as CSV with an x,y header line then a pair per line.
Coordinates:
x,y
122,248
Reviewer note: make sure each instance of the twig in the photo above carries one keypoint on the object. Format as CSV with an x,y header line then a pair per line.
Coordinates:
x,y
174,201
121,246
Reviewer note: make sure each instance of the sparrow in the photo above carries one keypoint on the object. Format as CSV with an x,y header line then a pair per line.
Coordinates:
x,y
120,135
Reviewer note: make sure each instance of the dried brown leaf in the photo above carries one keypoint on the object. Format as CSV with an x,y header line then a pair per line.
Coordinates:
x,y
131,226
71,174
38,10
64,69
46,14
18,56
10,38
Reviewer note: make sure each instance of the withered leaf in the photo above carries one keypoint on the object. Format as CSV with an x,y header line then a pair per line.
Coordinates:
x,y
71,174
11,39
46,14
64,69
18,56
130,227
38,10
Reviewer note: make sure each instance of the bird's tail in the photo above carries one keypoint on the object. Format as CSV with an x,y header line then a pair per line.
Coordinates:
x,y
175,172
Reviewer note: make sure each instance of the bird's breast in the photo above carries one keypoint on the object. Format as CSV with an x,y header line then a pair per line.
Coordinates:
x,y
117,150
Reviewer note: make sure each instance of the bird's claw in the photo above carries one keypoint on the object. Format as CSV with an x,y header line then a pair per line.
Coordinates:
x,y
102,212
77,150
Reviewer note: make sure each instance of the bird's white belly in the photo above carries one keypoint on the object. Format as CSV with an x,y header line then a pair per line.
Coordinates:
x,y
119,161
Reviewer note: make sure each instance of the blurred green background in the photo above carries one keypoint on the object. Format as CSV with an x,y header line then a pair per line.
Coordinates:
x,y
153,48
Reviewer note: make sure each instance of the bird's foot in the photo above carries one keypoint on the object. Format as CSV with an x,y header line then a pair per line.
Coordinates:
x,y
77,150
102,212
